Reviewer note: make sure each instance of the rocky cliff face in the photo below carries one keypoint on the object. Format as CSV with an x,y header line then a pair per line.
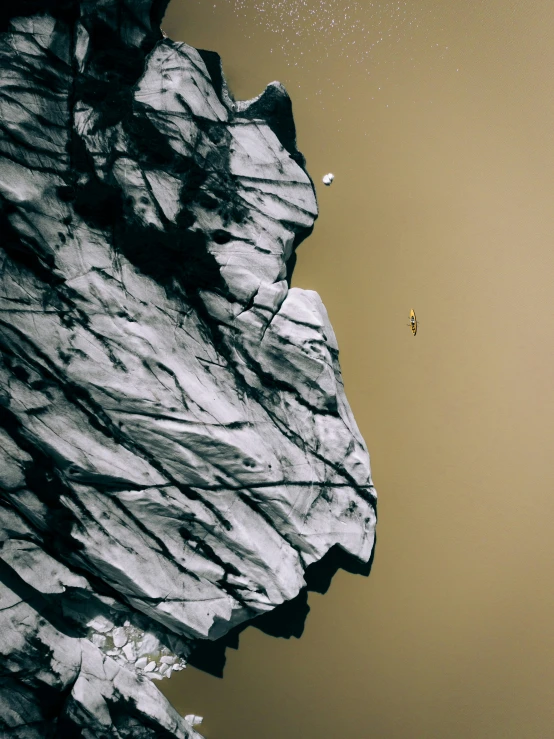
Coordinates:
x,y
175,444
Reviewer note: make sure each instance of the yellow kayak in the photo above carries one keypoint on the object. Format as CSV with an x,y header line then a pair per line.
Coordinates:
x,y
413,322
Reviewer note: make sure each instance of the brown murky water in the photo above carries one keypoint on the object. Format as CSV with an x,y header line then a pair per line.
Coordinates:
x,y
437,119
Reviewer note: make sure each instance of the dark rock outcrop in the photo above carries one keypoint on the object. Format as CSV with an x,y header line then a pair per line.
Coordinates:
x,y
175,444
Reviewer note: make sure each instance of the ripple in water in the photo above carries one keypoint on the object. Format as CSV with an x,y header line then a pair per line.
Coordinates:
x,y
323,29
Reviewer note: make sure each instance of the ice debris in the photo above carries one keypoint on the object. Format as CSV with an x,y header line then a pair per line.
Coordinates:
x,y
194,720
137,650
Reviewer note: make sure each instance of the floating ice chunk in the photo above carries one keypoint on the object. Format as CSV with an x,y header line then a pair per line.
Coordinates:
x,y
328,178
149,645
130,653
150,667
194,720
119,637
100,624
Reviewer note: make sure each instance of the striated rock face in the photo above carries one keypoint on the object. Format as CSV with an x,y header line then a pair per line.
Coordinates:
x,y
175,444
